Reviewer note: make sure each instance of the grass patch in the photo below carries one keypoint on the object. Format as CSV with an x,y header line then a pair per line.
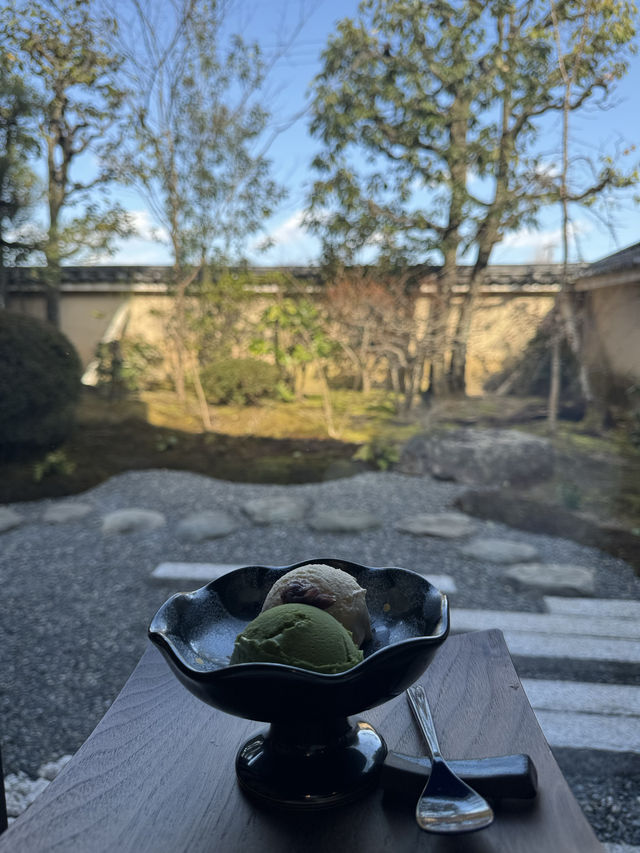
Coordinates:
x,y
288,443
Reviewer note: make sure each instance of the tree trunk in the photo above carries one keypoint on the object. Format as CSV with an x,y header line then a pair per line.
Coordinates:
x,y
554,381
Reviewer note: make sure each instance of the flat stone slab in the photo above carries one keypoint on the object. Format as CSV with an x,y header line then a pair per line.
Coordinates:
x,y
445,583
619,700
594,608
275,510
132,520
193,572
9,519
65,512
209,524
554,578
566,647
448,525
343,521
547,623
499,551
585,715
589,731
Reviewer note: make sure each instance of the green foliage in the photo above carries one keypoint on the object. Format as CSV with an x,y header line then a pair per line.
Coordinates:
x,y
17,180
65,52
431,96
239,380
378,452
54,464
166,442
417,101
126,365
39,383
570,495
294,331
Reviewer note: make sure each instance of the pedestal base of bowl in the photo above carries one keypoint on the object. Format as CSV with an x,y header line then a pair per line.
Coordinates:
x,y
311,765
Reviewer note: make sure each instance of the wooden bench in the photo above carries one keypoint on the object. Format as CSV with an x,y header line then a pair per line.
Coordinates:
x,y
157,774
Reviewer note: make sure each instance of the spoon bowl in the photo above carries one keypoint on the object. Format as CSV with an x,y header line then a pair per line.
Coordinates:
x,y
447,804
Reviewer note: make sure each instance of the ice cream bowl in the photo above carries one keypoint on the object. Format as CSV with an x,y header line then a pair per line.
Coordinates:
x,y
313,755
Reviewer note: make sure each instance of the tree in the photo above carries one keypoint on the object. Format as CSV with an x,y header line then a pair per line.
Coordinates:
x,y
17,181
197,123
430,115
578,49
294,331
66,54
374,319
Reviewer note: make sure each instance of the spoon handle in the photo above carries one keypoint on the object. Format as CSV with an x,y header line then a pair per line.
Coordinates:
x,y
421,711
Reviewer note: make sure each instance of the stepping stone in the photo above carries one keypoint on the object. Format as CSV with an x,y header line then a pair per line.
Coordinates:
x,y
594,608
65,512
132,520
499,551
9,519
448,525
555,578
343,521
586,715
562,645
209,524
546,623
445,583
275,510
193,572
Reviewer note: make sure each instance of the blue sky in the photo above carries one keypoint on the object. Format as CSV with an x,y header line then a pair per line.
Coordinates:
x,y
292,152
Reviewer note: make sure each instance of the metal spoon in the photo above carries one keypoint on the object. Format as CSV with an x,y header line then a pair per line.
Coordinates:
x,y
447,804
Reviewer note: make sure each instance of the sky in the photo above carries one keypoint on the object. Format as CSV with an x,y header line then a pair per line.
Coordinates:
x,y
293,149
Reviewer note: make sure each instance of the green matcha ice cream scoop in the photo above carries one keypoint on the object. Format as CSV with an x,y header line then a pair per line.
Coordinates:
x,y
297,635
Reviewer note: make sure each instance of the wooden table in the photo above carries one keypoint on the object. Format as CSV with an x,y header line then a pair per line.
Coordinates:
x,y
157,774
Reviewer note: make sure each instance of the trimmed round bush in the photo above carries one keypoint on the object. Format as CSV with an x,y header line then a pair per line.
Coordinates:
x,y
239,380
40,374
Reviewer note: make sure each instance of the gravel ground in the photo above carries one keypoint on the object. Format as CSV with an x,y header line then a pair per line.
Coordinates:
x,y
76,604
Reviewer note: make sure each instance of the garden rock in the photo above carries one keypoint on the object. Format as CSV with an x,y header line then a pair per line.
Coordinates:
x,y
51,769
479,457
552,578
344,521
62,513
499,551
448,525
9,519
21,791
273,510
206,525
132,520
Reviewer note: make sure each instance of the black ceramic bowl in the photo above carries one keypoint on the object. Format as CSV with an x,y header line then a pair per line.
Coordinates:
x,y
196,631
312,756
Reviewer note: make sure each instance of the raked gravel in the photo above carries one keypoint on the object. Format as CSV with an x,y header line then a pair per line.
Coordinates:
x,y
76,602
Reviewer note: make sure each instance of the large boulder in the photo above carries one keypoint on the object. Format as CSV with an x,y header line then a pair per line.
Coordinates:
x,y
479,457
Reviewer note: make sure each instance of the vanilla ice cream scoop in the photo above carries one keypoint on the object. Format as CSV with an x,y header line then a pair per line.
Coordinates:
x,y
329,589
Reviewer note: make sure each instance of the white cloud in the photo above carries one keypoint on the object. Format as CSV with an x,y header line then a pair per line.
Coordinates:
x,y
288,232
145,227
530,244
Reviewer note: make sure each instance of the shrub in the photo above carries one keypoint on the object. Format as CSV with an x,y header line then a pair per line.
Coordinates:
x,y
40,374
239,380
